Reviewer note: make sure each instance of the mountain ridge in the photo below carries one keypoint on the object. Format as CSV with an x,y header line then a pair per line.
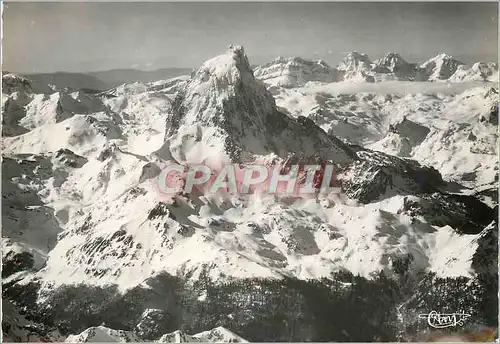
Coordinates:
x,y
88,238
358,67
279,70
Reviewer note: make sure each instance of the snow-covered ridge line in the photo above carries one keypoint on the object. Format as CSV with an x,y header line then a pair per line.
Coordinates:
x,y
357,67
295,71
82,210
105,334
220,112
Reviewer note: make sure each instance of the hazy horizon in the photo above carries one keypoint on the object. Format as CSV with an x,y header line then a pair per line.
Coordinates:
x,y
89,37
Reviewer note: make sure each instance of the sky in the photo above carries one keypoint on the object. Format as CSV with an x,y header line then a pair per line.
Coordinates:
x,y
82,36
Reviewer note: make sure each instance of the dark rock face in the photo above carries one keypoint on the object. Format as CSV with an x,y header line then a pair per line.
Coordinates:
x,y
160,210
478,214
173,122
375,176
447,67
394,63
25,217
485,263
280,310
12,112
106,127
15,262
493,119
149,171
152,322
414,132
70,159
265,310
464,213
340,308
105,154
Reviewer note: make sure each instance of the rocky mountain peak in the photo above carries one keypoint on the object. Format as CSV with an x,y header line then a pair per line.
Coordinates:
x,y
391,61
440,67
14,83
354,61
240,115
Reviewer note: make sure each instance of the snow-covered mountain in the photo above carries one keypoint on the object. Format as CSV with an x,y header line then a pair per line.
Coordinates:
x,y
88,239
355,62
216,335
104,334
482,71
234,114
356,67
394,64
462,143
14,83
294,71
440,67
359,68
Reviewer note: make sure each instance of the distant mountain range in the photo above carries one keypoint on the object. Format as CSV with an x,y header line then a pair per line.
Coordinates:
x,y
102,80
357,67
117,77
94,251
289,72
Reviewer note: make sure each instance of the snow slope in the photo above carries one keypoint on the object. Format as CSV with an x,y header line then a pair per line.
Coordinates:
x,y
236,116
393,63
81,202
294,71
451,127
478,71
357,67
461,142
100,194
440,67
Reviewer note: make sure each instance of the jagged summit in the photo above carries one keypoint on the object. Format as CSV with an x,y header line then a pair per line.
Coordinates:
x,y
356,67
391,61
440,67
228,67
354,61
443,56
223,95
239,115
394,63
294,60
